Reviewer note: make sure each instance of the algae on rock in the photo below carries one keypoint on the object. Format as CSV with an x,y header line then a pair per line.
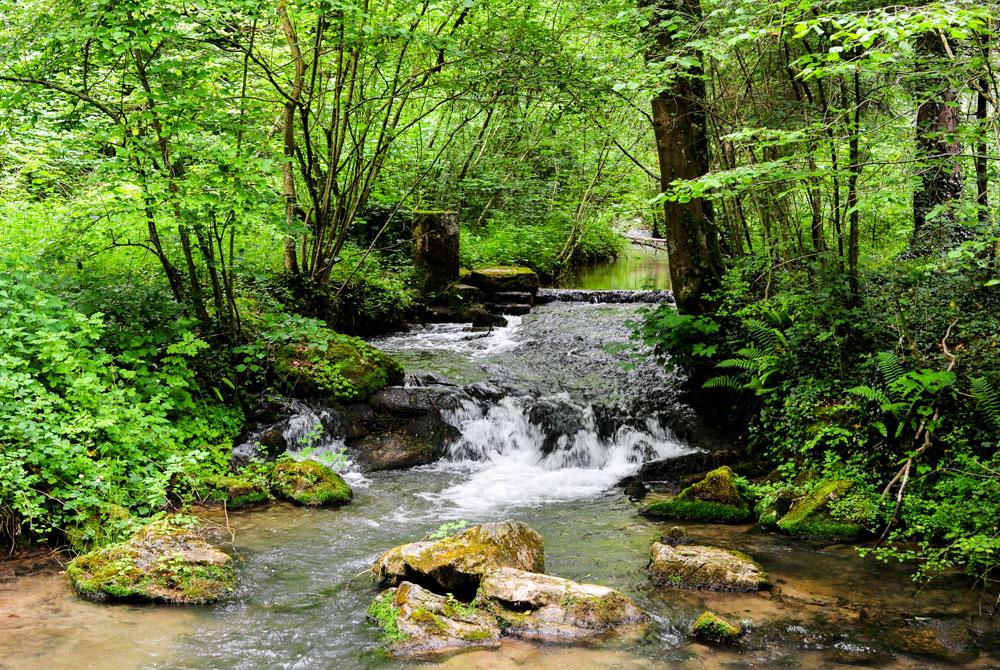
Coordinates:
x,y
457,564
693,566
810,518
233,491
165,561
712,628
309,483
342,368
718,498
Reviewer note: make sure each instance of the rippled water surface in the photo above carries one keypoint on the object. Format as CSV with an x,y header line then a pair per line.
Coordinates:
x,y
303,591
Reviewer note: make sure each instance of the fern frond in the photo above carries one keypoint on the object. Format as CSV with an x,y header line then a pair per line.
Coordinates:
x,y
889,366
768,337
724,382
870,394
987,398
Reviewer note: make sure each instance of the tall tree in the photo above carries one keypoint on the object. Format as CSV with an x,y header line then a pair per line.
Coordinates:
x,y
679,125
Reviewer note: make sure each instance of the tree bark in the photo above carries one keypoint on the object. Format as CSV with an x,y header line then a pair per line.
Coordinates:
x,y
679,125
937,152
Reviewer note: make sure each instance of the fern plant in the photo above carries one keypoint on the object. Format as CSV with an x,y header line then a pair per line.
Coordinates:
x,y
756,364
987,399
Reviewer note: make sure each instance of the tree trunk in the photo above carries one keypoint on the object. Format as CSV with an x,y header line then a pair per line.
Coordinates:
x,y
682,149
937,153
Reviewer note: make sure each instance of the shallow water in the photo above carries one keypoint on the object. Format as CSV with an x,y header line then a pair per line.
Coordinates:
x,y
303,594
636,268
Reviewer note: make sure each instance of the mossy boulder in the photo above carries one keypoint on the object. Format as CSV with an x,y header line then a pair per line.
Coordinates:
x,y
711,628
544,608
809,517
503,278
165,562
343,368
773,506
233,491
309,483
415,621
457,564
718,498
946,640
693,566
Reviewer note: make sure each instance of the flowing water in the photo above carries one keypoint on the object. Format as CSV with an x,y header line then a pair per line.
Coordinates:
x,y
550,421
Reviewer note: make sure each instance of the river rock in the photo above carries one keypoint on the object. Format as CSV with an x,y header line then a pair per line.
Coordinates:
x,y
539,607
233,491
504,278
945,640
457,564
711,628
309,483
692,566
809,517
342,369
398,450
415,621
673,469
164,562
717,498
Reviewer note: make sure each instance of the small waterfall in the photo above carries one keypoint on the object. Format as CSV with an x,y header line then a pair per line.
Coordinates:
x,y
525,451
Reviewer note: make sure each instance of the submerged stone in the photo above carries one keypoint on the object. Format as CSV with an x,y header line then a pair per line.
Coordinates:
x,y
691,566
539,607
233,491
309,483
343,368
809,517
164,562
457,564
716,499
711,628
415,621
504,279
945,640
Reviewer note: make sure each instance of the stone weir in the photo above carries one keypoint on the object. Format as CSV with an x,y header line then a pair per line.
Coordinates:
x,y
546,295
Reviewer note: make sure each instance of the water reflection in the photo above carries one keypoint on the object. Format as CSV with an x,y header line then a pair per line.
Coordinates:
x,y
636,268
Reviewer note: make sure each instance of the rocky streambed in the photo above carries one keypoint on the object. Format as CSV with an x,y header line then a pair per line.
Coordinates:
x,y
535,423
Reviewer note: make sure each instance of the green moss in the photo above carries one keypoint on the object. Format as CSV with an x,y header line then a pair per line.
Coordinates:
x,y
718,498
233,491
386,616
503,278
810,517
309,483
163,562
710,627
344,368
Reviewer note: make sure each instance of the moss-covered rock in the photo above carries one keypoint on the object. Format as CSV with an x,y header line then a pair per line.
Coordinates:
x,y
773,506
164,562
544,608
718,498
694,566
415,621
456,564
711,628
344,368
503,278
809,517
233,491
309,483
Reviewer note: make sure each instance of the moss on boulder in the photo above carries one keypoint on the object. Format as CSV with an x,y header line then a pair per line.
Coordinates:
x,y
415,621
711,628
693,566
165,561
233,491
309,483
344,368
503,278
718,498
456,564
810,518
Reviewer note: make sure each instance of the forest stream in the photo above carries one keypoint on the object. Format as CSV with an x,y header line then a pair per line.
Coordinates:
x,y
562,423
